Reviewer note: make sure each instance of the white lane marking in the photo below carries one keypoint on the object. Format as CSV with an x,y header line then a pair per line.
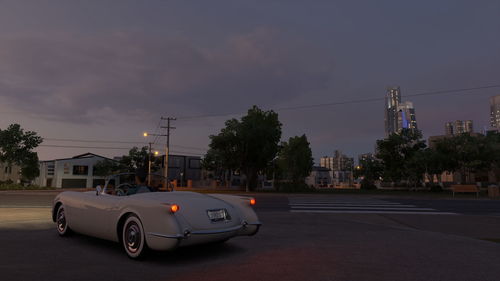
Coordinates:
x,y
363,208
347,205
343,202
372,212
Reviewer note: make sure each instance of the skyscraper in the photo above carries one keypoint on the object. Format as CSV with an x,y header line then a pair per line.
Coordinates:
x,y
458,127
495,112
406,116
398,115
392,100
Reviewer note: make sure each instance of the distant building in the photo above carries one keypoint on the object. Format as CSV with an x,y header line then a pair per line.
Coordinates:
x,y
319,177
340,165
78,171
339,162
75,172
392,100
406,116
458,127
183,168
398,114
10,173
495,112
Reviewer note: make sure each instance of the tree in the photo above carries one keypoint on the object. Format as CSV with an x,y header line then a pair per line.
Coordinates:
x,y
434,163
398,156
295,159
137,159
248,145
468,154
16,147
369,170
107,167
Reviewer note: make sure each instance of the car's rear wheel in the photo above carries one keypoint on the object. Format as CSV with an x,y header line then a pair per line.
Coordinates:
x,y
62,222
133,237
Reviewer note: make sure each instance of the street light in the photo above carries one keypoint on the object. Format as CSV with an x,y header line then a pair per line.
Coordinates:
x,y
165,180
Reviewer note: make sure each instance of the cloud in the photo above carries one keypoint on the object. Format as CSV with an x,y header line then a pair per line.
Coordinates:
x,y
86,79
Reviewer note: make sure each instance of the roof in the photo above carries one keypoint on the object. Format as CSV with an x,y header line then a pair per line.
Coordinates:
x,y
85,155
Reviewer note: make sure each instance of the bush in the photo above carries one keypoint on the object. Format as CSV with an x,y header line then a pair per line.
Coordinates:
x,y
13,186
436,188
293,187
368,185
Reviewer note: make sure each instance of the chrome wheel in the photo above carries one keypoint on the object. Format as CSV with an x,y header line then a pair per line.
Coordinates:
x,y
61,222
133,237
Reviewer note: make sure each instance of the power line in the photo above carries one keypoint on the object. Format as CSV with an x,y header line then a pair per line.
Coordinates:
x,y
432,93
117,141
109,147
98,141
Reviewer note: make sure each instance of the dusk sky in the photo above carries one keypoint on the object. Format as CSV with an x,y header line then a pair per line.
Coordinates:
x,y
107,70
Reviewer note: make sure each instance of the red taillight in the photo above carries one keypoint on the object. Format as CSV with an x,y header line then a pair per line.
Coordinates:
x,y
174,208
252,201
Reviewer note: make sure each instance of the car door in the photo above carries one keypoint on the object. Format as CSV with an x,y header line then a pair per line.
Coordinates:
x,y
99,214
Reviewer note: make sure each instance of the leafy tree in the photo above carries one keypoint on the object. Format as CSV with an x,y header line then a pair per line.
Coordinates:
x,y
467,154
295,160
137,159
248,145
107,167
370,170
16,147
30,168
435,162
398,155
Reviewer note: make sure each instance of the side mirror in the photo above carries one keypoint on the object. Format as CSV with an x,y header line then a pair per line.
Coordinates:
x,y
98,190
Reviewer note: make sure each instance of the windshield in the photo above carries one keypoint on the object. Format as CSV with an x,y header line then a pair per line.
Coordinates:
x,y
131,183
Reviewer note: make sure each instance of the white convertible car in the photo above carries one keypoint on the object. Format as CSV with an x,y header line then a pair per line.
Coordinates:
x,y
139,218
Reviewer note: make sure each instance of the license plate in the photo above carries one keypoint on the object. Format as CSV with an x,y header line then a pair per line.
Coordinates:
x,y
218,215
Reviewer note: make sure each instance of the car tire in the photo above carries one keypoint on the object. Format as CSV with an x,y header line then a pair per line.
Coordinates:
x,y
134,238
62,222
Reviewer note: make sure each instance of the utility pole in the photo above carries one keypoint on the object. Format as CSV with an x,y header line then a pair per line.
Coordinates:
x,y
149,164
167,148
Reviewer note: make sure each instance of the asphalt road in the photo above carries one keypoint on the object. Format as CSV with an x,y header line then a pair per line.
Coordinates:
x,y
304,237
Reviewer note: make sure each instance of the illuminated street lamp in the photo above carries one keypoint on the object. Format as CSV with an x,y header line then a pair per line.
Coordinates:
x,y
146,134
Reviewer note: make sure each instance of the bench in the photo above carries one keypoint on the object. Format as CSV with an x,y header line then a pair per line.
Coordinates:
x,y
465,188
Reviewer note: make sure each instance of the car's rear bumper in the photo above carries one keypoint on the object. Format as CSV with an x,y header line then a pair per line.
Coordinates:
x,y
159,241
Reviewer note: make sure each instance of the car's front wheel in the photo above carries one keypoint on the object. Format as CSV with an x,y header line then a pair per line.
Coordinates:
x,y
62,222
133,238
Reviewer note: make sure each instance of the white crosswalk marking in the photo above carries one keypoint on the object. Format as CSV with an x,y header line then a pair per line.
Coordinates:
x,y
356,206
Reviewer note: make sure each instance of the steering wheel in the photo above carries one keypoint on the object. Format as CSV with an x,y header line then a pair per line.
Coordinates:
x,y
121,190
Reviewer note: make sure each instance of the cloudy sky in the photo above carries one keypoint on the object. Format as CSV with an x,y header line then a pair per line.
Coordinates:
x,y
107,70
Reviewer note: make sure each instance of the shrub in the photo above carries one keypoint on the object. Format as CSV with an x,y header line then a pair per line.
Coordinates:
x,y
436,188
367,184
293,187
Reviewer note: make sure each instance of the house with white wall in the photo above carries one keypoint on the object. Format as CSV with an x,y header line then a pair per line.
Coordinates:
x,y
75,172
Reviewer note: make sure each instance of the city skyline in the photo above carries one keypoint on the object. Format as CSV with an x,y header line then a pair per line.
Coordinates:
x,y
108,71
